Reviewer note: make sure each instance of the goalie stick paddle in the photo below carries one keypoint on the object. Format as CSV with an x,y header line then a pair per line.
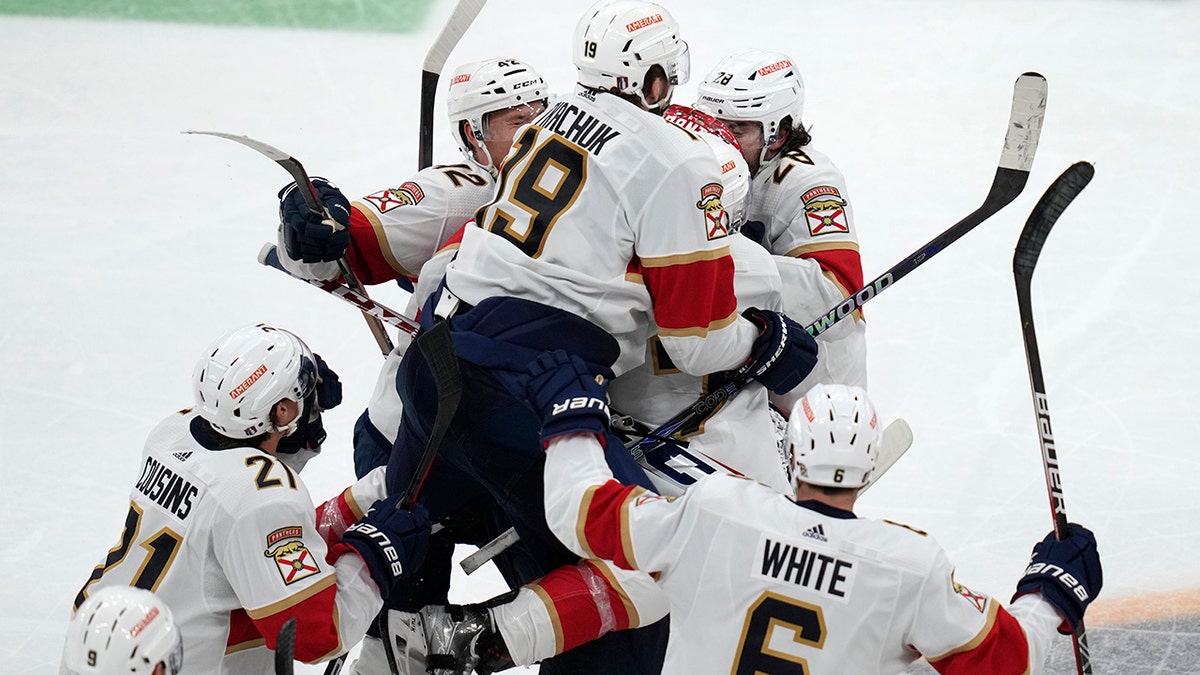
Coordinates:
x,y
285,648
298,174
1029,246
460,20
1020,145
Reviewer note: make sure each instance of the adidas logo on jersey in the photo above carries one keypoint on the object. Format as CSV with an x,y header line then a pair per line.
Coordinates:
x,y
182,456
816,532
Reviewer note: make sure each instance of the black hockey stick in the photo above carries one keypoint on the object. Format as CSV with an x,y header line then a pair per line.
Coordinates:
x,y
1058,196
296,170
437,349
285,648
460,20
1020,146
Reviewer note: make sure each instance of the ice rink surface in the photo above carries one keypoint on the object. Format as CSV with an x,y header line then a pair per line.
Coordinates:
x,y
128,247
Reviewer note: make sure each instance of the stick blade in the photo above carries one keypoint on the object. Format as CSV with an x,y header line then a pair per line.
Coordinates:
x,y
897,438
1054,201
253,143
461,18
285,648
1024,122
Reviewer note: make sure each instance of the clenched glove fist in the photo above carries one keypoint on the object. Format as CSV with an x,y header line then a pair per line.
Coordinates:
x,y
312,237
1067,573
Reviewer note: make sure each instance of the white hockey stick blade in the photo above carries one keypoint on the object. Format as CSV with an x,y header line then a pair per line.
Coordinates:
x,y
489,550
897,437
270,151
460,20
1025,122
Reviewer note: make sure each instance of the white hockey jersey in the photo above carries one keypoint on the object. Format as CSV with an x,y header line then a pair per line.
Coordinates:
x,y
736,433
801,200
611,213
395,231
759,583
229,540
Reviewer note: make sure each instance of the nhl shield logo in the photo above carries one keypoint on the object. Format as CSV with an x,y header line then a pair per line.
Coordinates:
x,y
716,220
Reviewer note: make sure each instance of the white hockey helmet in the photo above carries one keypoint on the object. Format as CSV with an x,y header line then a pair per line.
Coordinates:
x,y
833,437
735,172
754,86
617,42
122,630
482,87
245,372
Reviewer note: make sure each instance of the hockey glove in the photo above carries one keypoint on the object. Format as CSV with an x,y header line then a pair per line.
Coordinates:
x,y
1067,573
391,541
311,237
329,387
569,398
784,353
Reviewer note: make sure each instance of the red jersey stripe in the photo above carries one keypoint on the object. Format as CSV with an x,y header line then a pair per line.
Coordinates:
x,y
999,649
691,295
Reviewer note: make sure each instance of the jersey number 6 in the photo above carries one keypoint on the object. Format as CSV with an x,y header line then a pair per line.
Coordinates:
x,y
771,613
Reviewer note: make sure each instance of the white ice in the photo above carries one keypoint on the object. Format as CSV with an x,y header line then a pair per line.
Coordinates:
x,y
127,247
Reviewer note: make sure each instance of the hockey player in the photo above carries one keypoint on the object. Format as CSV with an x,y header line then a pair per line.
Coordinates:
x,y
391,234
801,206
225,530
600,218
122,630
804,583
656,390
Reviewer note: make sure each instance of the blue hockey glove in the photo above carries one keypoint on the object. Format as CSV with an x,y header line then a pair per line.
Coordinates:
x,y
311,237
391,541
1067,573
329,387
570,398
784,353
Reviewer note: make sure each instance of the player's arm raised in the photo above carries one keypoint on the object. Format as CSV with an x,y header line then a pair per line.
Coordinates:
x,y
586,508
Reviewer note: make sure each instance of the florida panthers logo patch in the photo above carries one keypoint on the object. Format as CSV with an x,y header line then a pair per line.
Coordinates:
x,y
716,221
292,559
825,211
391,198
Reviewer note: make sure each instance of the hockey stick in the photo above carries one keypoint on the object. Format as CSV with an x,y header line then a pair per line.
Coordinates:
x,y
1057,197
437,348
1020,144
460,20
285,648
296,170
269,256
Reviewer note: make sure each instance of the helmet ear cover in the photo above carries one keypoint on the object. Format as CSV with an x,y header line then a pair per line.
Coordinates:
x,y
833,437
